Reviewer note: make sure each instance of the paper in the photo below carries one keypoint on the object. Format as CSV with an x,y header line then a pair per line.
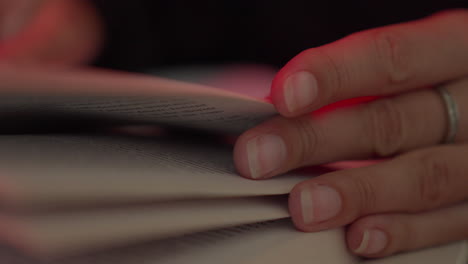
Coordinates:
x,y
31,97
65,170
236,245
71,232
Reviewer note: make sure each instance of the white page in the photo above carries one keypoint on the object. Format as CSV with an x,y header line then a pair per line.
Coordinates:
x,y
236,245
71,232
248,244
48,170
27,96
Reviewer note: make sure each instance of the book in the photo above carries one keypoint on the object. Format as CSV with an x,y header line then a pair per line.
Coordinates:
x,y
77,188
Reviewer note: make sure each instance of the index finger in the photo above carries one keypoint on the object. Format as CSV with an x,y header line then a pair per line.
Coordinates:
x,y
380,61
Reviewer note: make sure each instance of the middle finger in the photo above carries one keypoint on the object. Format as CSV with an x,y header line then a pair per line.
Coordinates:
x,y
381,128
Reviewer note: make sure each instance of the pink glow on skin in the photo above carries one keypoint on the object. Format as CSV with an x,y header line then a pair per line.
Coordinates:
x,y
345,103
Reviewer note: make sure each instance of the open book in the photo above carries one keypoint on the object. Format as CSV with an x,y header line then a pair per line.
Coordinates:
x,y
88,195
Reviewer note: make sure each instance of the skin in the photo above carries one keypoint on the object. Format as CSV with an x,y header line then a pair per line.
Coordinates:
x,y
416,197
55,33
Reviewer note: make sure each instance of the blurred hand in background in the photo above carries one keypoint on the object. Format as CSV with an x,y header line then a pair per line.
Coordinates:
x,y
48,32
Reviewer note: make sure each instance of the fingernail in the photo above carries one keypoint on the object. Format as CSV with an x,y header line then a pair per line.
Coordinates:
x,y
265,154
319,203
373,241
300,90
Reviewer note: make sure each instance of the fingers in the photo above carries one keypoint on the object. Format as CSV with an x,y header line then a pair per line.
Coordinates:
x,y
375,62
52,32
14,15
386,234
459,92
380,128
414,182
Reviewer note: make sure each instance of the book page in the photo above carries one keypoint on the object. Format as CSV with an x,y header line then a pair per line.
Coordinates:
x,y
248,79
236,245
70,232
454,253
248,244
29,98
64,170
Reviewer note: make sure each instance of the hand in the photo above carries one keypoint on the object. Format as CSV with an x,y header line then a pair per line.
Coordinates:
x,y
48,32
415,199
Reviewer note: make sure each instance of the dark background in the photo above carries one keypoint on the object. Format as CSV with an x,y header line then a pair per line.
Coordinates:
x,y
144,34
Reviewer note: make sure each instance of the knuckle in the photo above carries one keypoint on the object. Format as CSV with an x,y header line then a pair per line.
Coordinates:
x,y
332,72
309,137
337,75
366,193
391,54
385,125
454,15
432,179
407,233
456,20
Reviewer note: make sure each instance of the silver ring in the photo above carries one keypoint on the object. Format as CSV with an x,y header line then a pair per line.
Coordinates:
x,y
452,114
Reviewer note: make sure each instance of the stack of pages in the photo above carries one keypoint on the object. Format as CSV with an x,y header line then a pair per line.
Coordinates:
x,y
76,189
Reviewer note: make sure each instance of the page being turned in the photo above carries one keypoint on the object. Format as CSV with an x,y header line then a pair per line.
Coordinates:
x,y
35,98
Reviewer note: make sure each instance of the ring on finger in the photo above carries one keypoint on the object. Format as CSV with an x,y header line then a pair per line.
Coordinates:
x,y
453,115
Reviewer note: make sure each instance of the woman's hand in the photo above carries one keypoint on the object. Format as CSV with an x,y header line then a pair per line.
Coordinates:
x,y
416,199
48,32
